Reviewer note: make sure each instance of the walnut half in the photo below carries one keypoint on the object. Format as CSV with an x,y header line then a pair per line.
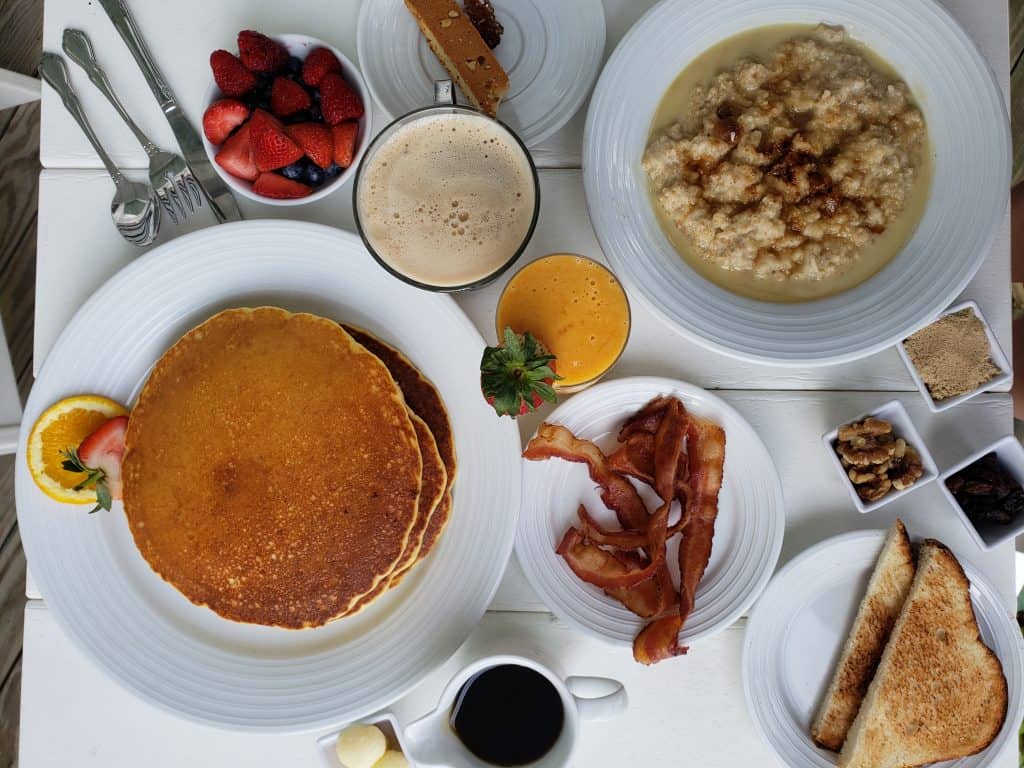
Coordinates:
x,y
875,460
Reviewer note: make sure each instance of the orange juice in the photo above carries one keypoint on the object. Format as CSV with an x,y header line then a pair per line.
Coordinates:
x,y
576,307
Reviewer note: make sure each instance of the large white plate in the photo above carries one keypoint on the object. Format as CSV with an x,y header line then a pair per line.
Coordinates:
x,y
550,50
748,531
798,628
185,658
970,139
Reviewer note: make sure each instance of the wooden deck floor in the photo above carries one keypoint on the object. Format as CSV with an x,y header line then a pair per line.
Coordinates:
x,y
20,43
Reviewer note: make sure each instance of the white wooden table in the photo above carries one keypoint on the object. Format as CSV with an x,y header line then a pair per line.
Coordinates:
x,y
686,711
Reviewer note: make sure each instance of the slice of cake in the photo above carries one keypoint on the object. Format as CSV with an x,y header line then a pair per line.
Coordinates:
x,y
463,52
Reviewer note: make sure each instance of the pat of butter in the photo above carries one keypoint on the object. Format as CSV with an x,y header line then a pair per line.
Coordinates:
x,y
392,759
360,746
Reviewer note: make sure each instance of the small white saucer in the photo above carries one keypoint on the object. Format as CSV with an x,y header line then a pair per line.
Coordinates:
x,y
551,51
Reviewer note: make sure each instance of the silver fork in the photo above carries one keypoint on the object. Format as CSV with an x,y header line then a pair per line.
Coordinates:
x,y
171,178
134,209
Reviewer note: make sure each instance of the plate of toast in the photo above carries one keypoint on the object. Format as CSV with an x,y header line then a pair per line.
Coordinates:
x,y
868,651
530,64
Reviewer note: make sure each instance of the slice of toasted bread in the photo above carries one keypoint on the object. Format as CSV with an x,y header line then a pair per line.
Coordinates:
x,y
939,692
886,592
462,51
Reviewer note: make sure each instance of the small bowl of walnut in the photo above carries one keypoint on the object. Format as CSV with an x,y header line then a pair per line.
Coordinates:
x,y
881,456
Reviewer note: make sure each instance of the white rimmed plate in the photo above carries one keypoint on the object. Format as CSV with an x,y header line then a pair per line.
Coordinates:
x,y
970,140
185,658
748,531
551,51
798,628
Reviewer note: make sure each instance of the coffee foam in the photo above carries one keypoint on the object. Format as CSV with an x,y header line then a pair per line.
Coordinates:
x,y
447,199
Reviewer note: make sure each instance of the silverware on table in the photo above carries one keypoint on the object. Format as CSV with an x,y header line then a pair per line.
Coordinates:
x,y
134,209
170,177
221,202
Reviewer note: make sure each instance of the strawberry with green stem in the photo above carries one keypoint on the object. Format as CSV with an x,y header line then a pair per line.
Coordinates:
x,y
517,376
99,458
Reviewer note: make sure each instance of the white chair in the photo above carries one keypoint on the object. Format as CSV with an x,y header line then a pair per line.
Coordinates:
x,y
10,403
15,89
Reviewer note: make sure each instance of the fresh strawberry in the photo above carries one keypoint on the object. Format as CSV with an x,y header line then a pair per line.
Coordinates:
x,y
222,117
318,63
271,147
315,140
338,101
99,458
261,54
232,77
235,155
288,97
345,143
517,376
277,186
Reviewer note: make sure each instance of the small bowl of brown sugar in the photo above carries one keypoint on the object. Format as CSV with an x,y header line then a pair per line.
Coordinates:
x,y
955,358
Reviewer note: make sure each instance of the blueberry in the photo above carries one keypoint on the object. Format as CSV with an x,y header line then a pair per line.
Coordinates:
x,y
315,114
314,175
314,93
332,171
263,103
294,65
303,116
264,81
295,171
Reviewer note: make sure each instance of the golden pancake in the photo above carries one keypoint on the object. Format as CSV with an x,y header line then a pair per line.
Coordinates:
x,y
425,401
271,469
432,489
421,395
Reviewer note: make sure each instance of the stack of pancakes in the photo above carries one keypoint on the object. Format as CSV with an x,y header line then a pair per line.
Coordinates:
x,y
284,470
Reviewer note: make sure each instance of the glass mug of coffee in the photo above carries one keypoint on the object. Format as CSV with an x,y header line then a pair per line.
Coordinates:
x,y
510,711
446,198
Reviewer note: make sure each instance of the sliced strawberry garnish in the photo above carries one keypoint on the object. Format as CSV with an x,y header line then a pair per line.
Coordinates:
x,y
288,97
277,186
222,117
99,457
235,155
232,77
338,101
318,63
345,143
271,146
315,140
261,54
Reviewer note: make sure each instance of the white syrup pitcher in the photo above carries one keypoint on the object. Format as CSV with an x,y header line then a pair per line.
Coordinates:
x,y
432,740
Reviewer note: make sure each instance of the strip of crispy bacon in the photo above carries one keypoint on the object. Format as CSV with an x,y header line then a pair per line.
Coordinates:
x,y
621,540
647,599
555,441
635,457
646,420
706,445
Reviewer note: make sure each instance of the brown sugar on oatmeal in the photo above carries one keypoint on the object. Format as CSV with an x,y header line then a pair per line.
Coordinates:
x,y
797,162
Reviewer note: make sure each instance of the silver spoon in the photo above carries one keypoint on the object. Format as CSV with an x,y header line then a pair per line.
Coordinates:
x,y
134,209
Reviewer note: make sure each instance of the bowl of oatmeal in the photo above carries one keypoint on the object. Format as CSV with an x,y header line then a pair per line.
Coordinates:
x,y
799,182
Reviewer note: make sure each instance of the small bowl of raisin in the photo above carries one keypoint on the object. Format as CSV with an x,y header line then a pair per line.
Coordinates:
x,y
987,490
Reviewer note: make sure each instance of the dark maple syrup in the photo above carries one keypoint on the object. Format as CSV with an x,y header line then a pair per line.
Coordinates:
x,y
508,715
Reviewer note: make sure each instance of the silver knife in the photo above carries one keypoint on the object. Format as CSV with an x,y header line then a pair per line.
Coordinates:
x,y
216,191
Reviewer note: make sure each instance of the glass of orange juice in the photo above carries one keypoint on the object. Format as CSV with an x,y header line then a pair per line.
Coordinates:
x,y
576,307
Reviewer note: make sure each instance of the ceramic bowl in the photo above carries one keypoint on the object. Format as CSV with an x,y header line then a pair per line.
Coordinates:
x,y
969,141
902,426
300,46
997,355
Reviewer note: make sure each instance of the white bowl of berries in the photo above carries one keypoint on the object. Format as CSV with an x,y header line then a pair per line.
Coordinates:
x,y
285,122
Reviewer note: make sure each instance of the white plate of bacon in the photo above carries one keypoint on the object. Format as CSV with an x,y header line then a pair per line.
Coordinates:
x,y
603,549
